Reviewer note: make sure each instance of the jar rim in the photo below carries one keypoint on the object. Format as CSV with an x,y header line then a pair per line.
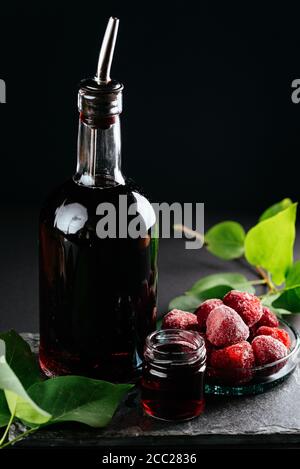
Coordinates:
x,y
191,337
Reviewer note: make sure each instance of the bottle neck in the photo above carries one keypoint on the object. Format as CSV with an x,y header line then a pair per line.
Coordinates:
x,y
99,154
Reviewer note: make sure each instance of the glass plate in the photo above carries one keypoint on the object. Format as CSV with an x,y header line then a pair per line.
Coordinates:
x,y
258,379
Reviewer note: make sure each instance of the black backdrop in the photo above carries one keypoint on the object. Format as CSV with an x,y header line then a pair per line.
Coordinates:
x,y
207,115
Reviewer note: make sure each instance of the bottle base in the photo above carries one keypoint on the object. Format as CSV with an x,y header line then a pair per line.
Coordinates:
x,y
118,373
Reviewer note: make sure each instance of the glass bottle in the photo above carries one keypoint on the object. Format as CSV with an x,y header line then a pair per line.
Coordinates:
x,y
97,293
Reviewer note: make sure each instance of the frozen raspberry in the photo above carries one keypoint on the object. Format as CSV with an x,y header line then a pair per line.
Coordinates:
x,y
248,306
225,327
268,319
204,309
233,364
267,349
177,319
279,334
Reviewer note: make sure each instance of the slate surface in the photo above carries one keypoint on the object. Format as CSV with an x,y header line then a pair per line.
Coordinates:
x,y
266,418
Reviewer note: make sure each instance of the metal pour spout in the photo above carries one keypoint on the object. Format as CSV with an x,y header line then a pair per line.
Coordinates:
x,y
107,51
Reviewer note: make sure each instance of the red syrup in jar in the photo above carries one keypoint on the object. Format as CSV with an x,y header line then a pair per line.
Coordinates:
x,y
172,385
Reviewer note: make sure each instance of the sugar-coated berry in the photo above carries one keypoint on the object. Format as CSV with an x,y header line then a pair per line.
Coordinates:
x,y
246,305
279,334
239,355
268,318
225,327
204,309
233,364
177,319
267,349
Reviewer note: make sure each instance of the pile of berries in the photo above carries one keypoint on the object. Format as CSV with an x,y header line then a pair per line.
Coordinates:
x,y
240,334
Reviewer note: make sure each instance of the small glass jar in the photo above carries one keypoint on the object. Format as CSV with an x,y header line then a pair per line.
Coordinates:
x,y
172,385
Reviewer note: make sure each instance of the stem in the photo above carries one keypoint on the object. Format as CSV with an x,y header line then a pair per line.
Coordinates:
x,y
258,282
19,437
7,429
189,231
266,278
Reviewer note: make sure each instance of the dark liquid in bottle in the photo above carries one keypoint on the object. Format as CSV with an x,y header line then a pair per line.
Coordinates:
x,y
97,296
173,393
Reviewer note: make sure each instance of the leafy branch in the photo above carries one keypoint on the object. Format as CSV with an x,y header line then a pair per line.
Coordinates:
x,y
267,247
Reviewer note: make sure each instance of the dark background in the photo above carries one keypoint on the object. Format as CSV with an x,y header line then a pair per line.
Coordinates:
x,y
208,117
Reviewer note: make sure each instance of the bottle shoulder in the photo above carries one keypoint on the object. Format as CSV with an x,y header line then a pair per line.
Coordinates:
x,y
70,192
71,206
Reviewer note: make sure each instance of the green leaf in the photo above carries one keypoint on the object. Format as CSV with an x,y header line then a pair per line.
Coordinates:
x,y
226,240
20,358
79,399
233,281
276,208
289,300
211,286
18,400
185,302
4,410
214,292
268,301
270,243
279,311
190,302
154,244
293,276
